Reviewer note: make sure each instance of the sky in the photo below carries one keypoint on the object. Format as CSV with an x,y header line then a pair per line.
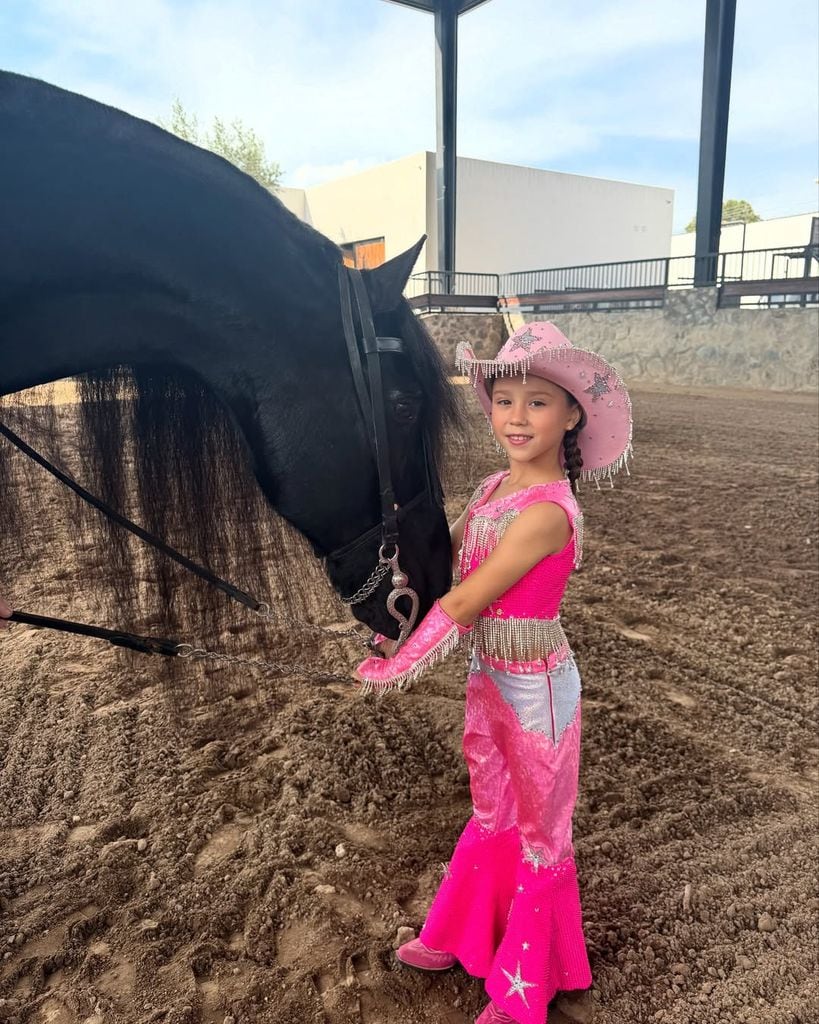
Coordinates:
x,y
608,88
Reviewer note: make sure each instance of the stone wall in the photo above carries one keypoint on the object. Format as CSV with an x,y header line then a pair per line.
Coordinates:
x,y
689,342
485,332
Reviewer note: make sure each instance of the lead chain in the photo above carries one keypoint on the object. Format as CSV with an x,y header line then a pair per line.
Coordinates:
x,y
191,653
370,586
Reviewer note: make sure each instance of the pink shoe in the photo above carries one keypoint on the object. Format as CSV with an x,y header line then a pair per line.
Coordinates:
x,y
416,954
492,1014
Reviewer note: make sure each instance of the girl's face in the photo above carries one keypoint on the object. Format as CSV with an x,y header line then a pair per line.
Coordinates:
x,y
530,418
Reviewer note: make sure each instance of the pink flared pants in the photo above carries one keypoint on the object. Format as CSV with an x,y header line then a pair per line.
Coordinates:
x,y
509,906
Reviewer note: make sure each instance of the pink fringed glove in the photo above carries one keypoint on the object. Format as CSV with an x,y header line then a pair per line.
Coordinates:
x,y
436,637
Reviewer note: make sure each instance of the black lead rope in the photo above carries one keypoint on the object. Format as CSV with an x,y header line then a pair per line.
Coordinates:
x,y
118,637
133,641
138,531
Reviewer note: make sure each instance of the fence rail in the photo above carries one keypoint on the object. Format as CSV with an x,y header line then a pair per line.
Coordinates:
x,y
777,276
443,282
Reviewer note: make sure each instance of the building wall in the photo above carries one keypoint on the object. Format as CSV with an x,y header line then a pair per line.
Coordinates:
x,y
295,199
764,234
388,201
521,218
508,217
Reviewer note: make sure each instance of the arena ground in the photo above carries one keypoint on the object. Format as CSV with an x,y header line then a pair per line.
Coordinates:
x,y
256,866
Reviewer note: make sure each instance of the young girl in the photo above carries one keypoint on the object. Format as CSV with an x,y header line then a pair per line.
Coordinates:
x,y
508,907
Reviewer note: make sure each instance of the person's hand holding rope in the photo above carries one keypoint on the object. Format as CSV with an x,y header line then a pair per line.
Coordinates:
x,y
5,611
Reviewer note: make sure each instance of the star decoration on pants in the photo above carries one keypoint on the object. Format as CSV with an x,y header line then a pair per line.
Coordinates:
x,y
537,860
517,986
599,388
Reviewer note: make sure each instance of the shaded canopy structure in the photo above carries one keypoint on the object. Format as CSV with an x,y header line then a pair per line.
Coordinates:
x,y
446,14
716,91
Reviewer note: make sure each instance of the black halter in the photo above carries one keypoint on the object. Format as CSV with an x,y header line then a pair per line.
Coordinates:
x,y
373,410
371,404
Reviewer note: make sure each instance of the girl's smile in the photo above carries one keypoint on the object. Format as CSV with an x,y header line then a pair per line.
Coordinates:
x,y
529,418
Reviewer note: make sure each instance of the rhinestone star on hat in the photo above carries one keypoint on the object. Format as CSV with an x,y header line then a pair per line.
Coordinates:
x,y
526,340
599,388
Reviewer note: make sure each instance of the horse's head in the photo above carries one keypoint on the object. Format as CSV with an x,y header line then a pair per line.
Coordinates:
x,y
326,477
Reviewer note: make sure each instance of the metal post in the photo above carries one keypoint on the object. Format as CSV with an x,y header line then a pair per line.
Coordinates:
x,y
720,17
446,75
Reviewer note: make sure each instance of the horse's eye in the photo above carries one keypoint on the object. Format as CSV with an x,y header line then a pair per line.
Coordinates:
x,y
405,408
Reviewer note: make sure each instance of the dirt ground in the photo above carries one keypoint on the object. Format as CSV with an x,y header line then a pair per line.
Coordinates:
x,y
257,868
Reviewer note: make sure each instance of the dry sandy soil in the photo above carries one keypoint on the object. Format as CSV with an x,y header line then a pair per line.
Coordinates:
x,y
256,866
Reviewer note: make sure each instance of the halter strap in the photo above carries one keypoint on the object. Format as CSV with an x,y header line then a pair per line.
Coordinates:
x,y
371,402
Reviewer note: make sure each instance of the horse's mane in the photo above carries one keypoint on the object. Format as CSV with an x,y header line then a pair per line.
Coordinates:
x,y
158,446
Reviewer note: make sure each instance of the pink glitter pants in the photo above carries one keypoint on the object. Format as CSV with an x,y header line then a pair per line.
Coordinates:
x,y
509,906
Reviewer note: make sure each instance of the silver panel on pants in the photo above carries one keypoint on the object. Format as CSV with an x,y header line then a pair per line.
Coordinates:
x,y
544,702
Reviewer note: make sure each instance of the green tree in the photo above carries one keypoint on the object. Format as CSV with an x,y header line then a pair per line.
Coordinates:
x,y
235,142
732,210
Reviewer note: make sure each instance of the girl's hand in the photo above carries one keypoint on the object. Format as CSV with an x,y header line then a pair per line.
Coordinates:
x,y
5,611
382,646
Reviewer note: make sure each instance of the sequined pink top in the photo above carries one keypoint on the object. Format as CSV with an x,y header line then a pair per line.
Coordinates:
x,y
523,623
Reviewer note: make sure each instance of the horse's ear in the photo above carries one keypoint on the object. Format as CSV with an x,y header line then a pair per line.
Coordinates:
x,y
386,283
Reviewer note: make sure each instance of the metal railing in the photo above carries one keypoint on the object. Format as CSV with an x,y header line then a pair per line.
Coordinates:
x,y
781,263
634,283
442,282
588,277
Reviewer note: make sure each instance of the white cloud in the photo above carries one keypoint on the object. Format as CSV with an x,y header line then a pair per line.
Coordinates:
x,y
314,174
316,95
338,85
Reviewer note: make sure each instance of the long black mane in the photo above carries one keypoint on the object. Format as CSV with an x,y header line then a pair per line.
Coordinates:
x,y
155,439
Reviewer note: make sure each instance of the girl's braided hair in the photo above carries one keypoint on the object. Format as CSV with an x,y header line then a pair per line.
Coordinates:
x,y
572,458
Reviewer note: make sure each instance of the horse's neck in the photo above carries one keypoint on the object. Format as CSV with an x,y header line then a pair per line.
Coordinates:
x,y
128,246
71,333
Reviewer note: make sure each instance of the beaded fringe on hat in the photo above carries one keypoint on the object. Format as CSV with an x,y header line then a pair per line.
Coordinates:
x,y
523,364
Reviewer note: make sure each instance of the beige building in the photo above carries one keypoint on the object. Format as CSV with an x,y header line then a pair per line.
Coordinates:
x,y
508,218
779,236
778,232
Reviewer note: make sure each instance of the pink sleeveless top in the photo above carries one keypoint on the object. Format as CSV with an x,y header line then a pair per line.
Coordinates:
x,y
523,624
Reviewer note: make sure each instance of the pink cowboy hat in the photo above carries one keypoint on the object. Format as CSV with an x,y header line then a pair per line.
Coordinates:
x,y
539,348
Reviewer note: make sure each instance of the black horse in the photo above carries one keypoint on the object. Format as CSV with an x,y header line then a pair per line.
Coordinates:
x,y
190,302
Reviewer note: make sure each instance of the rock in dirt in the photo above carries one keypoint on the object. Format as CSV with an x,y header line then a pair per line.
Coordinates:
x,y
579,1009
404,934
766,923
687,894
341,851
